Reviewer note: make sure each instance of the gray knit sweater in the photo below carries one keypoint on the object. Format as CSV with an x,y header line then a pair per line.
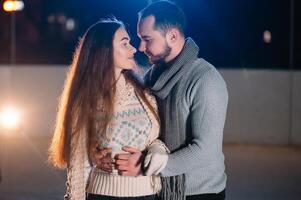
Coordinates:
x,y
192,100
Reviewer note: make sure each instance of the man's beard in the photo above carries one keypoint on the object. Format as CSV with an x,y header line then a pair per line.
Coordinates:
x,y
160,58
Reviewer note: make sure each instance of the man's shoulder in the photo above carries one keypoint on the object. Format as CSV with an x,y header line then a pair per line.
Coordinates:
x,y
203,70
206,79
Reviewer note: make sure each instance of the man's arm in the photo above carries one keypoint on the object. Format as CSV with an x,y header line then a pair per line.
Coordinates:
x,y
207,112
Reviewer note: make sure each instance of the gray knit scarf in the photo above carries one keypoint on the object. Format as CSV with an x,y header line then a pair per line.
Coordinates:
x,y
160,79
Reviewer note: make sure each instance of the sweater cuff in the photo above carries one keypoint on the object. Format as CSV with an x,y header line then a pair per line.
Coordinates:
x,y
165,171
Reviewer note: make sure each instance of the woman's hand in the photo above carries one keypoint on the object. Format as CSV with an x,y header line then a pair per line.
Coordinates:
x,y
102,158
129,164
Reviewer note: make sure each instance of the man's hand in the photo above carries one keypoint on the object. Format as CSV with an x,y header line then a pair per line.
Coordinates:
x,y
156,158
129,164
102,158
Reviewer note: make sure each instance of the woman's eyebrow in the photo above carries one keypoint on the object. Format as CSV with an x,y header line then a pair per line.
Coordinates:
x,y
124,38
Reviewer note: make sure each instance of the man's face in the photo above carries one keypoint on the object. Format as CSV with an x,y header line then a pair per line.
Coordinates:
x,y
153,42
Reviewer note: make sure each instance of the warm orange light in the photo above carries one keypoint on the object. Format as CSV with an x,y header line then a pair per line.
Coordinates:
x,y
12,6
10,117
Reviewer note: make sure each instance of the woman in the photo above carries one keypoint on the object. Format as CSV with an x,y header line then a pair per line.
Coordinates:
x,y
104,103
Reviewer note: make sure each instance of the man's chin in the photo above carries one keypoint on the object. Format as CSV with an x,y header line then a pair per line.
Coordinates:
x,y
151,61
157,61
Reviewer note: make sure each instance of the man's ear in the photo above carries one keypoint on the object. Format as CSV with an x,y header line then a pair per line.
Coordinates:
x,y
172,36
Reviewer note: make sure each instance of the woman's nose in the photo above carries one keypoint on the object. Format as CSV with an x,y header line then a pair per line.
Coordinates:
x,y
134,50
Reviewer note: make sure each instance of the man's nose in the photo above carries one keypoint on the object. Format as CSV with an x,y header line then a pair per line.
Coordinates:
x,y
141,47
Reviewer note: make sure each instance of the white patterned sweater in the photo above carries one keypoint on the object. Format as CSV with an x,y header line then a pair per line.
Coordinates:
x,y
133,124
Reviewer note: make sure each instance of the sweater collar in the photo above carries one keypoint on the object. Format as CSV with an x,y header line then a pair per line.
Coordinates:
x,y
172,73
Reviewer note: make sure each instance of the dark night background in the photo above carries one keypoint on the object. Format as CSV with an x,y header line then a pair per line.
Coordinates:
x,y
229,33
262,134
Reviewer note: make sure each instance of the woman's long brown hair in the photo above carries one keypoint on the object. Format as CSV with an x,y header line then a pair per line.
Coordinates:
x,y
90,81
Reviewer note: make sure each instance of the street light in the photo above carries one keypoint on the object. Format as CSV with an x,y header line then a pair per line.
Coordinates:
x,y
9,121
13,6
10,118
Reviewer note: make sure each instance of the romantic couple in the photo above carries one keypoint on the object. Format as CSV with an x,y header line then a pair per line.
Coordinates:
x,y
121,136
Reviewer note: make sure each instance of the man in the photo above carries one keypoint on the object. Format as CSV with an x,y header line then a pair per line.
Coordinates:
x,y
192,102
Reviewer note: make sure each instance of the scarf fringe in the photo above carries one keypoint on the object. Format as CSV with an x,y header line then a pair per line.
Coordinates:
x,y
173,188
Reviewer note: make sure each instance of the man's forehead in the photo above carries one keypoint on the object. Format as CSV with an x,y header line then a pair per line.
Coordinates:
x,y
146,25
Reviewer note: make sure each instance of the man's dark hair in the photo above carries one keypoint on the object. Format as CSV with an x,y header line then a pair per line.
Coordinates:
x,y
167,15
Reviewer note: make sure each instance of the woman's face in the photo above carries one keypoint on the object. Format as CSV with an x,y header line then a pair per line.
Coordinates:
x,y
123,51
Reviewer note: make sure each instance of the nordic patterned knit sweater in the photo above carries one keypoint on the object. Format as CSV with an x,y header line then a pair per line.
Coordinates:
x,y
192,101
133,124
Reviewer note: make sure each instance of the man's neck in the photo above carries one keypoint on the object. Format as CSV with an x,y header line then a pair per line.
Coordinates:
x,y
175,52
